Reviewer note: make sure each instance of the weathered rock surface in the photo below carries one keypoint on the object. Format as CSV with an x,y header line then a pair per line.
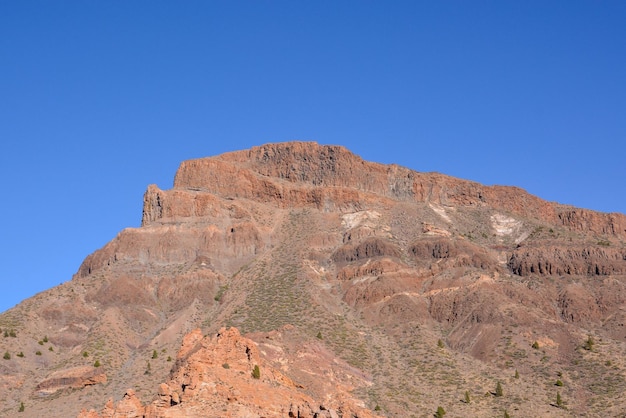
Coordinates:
x,y
358,286
74,378
215,377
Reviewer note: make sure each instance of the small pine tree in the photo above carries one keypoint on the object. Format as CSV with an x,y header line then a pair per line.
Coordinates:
x,y
50,348
440,412
20,354
97,363
516,374
38,353
45,338
535,345
377,408
85,354
559,383
155,354
169,358
256,372
22,407
440,343
559,401
499,391
319,335
467,397
7,355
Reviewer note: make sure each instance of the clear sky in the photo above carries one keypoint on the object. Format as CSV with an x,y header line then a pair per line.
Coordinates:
x,y
98,99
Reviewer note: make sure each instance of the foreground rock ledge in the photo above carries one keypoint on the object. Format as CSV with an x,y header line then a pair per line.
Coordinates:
x,y
214,376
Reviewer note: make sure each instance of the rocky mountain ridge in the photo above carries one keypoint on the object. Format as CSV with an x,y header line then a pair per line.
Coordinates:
x,y
402,291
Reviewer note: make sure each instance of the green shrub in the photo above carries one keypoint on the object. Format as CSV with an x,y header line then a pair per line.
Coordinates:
x,y
45,338
50,348
535,345
506,414
97,363
7,355
559,401
12,333
155,354
499,391
440,412
559,383
319,335
516,374
467,397
20,354
256,372
85,354
169,358
440,343
226,366
38,352
21,407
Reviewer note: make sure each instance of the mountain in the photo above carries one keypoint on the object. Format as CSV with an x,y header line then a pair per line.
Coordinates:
x,y
358,289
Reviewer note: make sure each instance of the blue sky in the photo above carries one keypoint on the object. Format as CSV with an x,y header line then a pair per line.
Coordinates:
x,y
99,99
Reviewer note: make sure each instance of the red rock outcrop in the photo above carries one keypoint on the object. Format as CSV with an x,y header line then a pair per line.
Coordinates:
x,y
74,378
216,377
301,174
558,260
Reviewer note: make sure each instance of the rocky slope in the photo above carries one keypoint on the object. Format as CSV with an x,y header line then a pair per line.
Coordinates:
x,y
361,289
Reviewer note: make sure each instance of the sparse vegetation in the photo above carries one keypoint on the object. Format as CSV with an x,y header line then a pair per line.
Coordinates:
x,y
440,412
588,345
440,343
220,293
97,363
7,355
22,407
516,374
499,391
256,372
559,400
85,354
155,354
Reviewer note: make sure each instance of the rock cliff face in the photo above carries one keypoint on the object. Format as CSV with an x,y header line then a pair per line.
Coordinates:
x,y
359,289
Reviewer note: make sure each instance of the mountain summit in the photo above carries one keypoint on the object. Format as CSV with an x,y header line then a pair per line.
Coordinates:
x,y
296,279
